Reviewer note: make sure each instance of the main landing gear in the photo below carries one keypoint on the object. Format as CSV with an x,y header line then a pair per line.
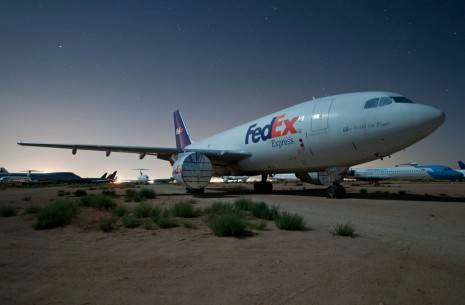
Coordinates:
x,y
336,190
263,186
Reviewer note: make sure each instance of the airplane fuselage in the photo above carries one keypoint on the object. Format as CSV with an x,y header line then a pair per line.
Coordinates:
x,y
334,131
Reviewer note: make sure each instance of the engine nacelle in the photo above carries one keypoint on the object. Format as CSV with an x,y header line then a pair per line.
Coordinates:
x,y
326,177
193,169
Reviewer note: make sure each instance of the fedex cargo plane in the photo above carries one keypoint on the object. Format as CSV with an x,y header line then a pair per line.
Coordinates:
x,y
325,135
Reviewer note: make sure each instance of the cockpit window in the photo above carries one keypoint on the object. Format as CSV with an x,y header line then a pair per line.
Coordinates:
x,y
373,103
401,99
385,101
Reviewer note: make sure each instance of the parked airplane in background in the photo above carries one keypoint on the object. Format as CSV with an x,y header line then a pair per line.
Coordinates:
x,y
326,135
32,176
461,165
409,172
142,178
227,179
461,168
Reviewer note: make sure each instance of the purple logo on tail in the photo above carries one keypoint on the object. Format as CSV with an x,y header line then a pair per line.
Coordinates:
x,y
180,132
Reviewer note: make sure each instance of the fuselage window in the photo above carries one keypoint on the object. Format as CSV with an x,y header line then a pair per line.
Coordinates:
x,y
401,99
373,103
385,101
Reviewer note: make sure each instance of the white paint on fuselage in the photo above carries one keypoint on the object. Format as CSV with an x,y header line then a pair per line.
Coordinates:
x,y
330,131
407,172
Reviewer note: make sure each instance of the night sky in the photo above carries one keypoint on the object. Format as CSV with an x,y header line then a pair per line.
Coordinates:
x,y
112,72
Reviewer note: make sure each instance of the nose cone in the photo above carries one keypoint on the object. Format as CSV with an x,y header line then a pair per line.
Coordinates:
x,y
431,116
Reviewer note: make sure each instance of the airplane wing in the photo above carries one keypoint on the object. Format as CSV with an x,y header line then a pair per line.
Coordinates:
x,y
219,157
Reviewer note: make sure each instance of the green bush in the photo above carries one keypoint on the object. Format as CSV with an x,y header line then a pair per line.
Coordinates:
x,y
61,193
107,224
80,193
344,230
188,225
288,221
58,213
98,201
228,224
166,222
143,210
363,191
109,193
33,209
147,193
263,211
149,224
221,208
120,210
243,204
157,212
132,195
183,209
130,221
7,211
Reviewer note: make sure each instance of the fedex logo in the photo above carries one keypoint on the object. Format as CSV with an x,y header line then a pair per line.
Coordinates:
x,y
278,127
179,130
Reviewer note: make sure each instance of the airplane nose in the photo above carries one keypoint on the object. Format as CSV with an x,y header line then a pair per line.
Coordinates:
x,y
433,116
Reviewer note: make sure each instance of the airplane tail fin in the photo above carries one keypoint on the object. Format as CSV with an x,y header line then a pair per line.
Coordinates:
x,y
104,176
3,170
462,165
112,176
180,131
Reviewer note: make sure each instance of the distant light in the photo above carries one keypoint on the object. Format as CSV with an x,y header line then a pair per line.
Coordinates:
x,y
60,46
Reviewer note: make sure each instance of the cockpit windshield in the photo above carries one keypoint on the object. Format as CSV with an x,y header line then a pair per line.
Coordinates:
x,y
401,99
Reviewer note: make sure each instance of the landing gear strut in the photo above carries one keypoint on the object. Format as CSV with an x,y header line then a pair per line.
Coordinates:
x,y
263,186
336,190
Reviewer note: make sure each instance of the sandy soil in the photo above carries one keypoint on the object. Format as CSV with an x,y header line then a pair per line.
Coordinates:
x,y
408,252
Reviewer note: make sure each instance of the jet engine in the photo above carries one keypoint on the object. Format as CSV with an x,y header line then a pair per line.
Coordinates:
x,y
194,170
326,177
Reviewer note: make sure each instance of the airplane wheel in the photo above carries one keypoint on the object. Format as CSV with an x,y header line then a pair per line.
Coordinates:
x,y
195,191
263,187
336,191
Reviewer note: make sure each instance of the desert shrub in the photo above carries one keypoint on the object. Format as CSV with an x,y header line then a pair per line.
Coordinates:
x,y
33,209
402,192
183,209
166,222
80,193
220,208
149,224
363,191
147,193
132,195
263,211
61,193
228,224
97,201
58,213
109,193
27,198
344,230
130,221
288,221
120,210
156,212
244,204
143,210
257,225
7,211
107,224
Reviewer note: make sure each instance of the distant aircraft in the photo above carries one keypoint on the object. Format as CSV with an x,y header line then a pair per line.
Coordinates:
x,y
142,178
285,177
33,176
461,165
227,179
325,135
408,172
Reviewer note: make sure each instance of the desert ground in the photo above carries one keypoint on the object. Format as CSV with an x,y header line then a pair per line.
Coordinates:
x,y
409,249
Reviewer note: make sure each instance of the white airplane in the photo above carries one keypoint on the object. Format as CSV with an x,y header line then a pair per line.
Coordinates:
x,y
142,178
227,179
407,172
325,135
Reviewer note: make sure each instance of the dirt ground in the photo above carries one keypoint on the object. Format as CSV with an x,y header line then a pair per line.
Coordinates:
x,y
410,250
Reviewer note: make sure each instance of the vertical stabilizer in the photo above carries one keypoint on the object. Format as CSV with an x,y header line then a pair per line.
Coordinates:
x,y
104,176
180,132
3,170
112,176
462,165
